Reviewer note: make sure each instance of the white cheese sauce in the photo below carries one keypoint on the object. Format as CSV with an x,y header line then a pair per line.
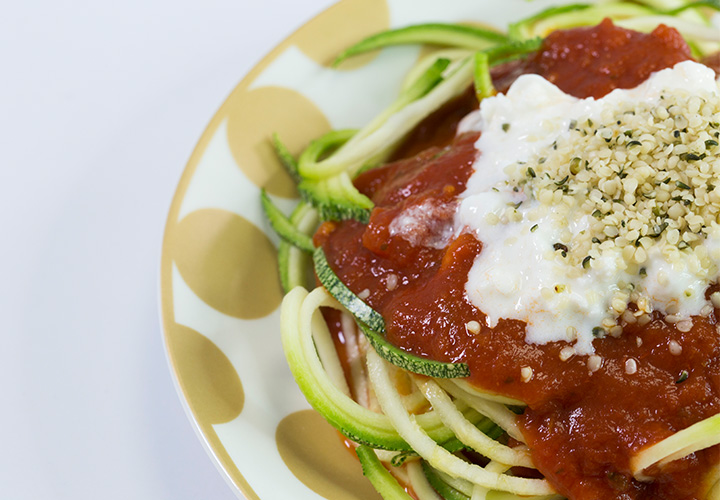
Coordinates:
x,y
511,278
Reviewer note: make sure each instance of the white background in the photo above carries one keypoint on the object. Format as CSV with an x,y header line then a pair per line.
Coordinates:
x,y
101,104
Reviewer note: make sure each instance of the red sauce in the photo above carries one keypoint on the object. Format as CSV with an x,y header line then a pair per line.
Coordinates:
x,y
582,428
591,63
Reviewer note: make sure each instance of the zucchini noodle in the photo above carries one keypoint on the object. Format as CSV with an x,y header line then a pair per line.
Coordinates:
x,y
379,138
492,410
324,347
419,482
480,492
462,487
293,261
355,421
467,432
416,422
681,444
355,360
435,455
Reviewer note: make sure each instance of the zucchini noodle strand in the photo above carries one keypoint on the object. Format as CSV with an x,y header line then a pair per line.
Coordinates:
x,y
358,377
325,347
423,64
355,421
462,485
387,456
699,436
468,433
355,153
420,485
591,15
293,262
481,493
490,396
381,479
437,456
496,412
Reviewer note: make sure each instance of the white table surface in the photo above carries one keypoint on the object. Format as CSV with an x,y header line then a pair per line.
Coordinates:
x,y
101,104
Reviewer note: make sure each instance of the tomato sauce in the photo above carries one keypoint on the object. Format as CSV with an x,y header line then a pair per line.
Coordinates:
x,y
581,427
591,63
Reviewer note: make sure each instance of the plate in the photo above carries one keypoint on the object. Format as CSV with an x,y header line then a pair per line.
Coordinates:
x,y
219,287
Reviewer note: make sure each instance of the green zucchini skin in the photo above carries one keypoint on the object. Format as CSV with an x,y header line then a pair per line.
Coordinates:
x,y
286,158
512,50
335,287
322,147
282,225
452,446
444,490
517,29
294,262
427,81
483,81
287,281
412,363
452,35
372,325
381,479
336,198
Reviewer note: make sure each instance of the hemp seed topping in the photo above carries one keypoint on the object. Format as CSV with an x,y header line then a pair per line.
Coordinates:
x,y
596,213
645,176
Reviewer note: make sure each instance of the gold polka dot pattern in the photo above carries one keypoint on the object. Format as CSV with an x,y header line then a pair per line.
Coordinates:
x,y
312,449
254,116
368,17
207,377
227,262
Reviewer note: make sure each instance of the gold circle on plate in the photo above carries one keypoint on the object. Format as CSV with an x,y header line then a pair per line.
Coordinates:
x,y
254,116
209,380
228,262
313,451
369,17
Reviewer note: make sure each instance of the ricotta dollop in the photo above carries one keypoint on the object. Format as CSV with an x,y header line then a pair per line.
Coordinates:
x,y
557,252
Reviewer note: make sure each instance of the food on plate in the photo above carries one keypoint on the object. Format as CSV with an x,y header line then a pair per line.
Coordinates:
x,y
515,288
